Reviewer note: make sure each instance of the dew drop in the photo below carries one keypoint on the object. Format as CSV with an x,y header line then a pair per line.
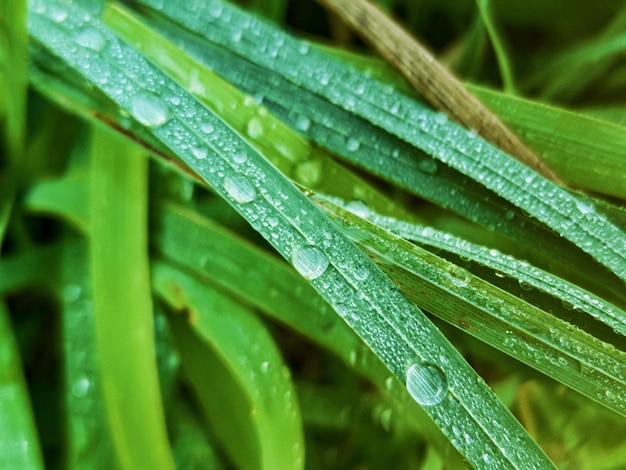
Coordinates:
x,y
309,261
304,48
342,309
460,277
353,144
426,383
206,128
200,152
254,128
265,365
81,387
361,273
309,173
240,189
57,13
303,123
236,35
215,10
239,157
427,166
92,39
149,109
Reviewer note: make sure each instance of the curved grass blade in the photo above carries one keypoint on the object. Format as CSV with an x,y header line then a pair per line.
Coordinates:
x,y
18,435
237,373
498,318
122,303
412,122
369,147
411,347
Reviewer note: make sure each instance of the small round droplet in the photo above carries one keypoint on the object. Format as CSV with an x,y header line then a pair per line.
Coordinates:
x,y
353,144
460,277
240,189
149,109
303,123
304,48
239,157
255,128
81,387
427,166
309,172
426,383
206,128
92,39
361,273
200,152
309,261
57,13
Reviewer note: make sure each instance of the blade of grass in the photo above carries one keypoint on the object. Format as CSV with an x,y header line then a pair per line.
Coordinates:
x,y
241,381
411,347
484,9
18,435
431,79
122,303
88,443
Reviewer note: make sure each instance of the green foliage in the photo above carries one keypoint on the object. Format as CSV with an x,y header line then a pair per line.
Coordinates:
x,y
440,303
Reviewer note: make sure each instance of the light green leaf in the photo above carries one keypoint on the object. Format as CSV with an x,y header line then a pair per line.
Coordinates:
x,y
122,303
241,382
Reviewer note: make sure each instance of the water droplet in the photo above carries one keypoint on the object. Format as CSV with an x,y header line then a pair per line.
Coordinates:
x,y
215,9
309,173
92,39
200,152
206,128
304,48
460,277
361,273
57,13
426,383
236,35
353,144
427,166
255,128
309,261
584,206
265,365
239,188
303,123
239,157
342,309
71,292
81,387
149,109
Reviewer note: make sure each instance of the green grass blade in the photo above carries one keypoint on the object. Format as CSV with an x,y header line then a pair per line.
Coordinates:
x,y
499,48
122,303
13,77
89,443
587,152
251,389
541,340
18,436
411,347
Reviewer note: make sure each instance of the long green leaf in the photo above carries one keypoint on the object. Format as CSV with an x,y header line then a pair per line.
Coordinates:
x,y
245,387
413,349
122,303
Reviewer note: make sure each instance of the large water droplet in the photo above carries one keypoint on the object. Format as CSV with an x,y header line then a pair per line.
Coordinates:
x,y
353,144
426,383
309,173
81,387
254,128
149,109
240,189
309,261
91,38
200,152
303,123
57,13
460,277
